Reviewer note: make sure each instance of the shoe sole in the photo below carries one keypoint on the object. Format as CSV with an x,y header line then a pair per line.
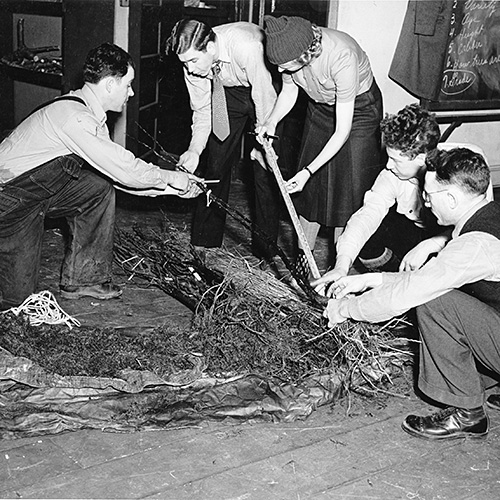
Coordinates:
x,y
78,295
449,437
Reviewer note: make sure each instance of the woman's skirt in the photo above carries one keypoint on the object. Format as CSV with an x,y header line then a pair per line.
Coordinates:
x,y
336,191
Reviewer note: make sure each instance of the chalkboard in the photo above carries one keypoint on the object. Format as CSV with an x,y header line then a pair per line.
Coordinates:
x,y
470,76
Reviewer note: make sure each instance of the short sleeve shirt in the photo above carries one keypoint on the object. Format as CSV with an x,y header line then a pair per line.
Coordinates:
x,y
340,73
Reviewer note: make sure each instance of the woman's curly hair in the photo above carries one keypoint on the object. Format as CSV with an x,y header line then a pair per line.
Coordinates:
x,y
413,130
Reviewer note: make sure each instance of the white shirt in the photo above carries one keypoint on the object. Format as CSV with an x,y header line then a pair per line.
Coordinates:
x,y
388,190
69,127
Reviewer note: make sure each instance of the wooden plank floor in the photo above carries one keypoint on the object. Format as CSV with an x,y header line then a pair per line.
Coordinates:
x,y
329,455
351,450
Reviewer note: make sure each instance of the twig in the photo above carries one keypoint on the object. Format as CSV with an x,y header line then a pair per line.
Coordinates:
x,y
327,332
313,296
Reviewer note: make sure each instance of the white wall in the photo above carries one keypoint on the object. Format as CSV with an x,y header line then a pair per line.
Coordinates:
x,y
376,25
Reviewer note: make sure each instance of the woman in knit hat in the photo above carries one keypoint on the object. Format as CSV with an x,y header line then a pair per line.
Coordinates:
x,y
341,151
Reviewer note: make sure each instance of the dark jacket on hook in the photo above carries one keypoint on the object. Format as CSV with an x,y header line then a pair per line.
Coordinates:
x,y
418,60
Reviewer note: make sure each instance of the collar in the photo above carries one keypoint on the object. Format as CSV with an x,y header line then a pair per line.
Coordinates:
x,y
93,103
467,215
222,50
217,67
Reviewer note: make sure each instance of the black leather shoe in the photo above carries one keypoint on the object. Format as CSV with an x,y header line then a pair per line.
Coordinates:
x,y
450,423
493,401
104,291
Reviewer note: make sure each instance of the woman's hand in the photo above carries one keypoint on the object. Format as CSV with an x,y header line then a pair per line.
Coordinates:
x,y
297,182
263,131
335,312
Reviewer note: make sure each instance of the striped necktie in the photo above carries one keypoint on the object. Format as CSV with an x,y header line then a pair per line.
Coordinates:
x,y
220,119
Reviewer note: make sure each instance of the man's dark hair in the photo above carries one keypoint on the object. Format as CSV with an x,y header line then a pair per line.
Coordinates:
x,y
461,167
413,130
106,60
189,33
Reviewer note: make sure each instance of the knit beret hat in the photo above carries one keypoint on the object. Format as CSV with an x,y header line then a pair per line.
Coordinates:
x,y
287,38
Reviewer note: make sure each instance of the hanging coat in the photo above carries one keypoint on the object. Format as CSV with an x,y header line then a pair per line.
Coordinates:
x,y
418,60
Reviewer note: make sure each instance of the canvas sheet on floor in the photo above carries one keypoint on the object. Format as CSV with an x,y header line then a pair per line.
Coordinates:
x,y
33,402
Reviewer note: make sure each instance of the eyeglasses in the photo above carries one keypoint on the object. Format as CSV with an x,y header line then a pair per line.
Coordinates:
x,y
426,194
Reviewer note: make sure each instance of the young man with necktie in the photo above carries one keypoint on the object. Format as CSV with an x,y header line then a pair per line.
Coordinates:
x,y
232,55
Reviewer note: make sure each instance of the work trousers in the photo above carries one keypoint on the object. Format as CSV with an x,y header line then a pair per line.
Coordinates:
x,y
397,233
457,332
208,222
62,188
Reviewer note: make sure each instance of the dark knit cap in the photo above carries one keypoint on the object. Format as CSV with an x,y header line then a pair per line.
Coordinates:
x,y
287,38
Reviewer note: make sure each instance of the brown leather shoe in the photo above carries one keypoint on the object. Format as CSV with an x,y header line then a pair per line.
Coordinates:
x,y
450,423
493,401
104,291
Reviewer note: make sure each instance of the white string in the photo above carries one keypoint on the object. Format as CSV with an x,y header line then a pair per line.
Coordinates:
x,y
43,308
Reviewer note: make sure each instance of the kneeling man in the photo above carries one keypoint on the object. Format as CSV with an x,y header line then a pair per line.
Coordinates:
x,y
456,295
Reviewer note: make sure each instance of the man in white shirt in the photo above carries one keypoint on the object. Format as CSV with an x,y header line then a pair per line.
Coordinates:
x,y
393,230
61,162
456,295
233,54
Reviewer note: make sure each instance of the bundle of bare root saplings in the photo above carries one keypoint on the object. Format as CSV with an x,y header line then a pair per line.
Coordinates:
x,y
247,321
256,347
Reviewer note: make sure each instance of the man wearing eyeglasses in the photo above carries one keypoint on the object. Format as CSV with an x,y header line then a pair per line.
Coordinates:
x,y
456,295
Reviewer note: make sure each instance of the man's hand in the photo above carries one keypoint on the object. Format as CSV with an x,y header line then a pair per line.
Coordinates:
x,y
193,189
356,283
189,160
419,255
335,312
257,155
183,183
322,285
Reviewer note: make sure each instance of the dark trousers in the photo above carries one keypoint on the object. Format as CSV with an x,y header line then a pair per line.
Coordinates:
x,y
63,187
208,222
397,233
457,331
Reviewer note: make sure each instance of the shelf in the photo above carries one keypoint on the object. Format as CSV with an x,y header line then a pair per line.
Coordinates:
x,y
50,80
37,8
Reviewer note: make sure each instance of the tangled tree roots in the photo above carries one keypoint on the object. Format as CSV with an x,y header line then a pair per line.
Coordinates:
x,y
247,321
256,347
